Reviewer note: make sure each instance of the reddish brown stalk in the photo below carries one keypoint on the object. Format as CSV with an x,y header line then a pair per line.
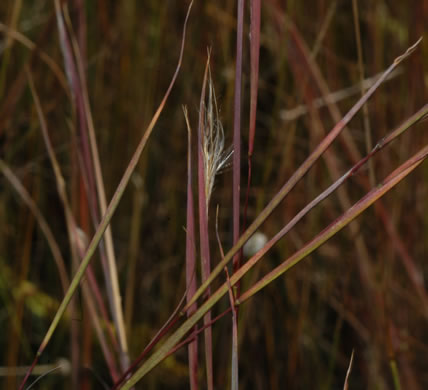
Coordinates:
x,y
83,206
81,29
236,186
365,110
234,308
255,53
191,259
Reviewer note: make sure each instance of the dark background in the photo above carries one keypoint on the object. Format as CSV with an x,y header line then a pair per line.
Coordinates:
x,y
354,293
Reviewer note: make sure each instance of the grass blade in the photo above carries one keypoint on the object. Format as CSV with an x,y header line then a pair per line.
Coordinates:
x,y
236,185
191,259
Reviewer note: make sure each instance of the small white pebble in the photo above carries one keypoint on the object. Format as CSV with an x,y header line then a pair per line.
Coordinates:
x,y
256,242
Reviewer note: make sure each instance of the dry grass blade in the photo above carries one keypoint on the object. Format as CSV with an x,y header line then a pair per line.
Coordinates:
x,y
236,183
367,130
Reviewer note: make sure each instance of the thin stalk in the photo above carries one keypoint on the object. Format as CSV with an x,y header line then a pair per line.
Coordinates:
x,y
234,385
191,258
366,120
254,78
236,185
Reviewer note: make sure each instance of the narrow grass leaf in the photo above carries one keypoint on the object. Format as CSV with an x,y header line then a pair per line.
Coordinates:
x,y
191,258
255,10
236,184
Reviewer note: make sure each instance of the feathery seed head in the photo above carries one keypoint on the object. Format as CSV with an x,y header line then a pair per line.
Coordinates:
x,y
216,157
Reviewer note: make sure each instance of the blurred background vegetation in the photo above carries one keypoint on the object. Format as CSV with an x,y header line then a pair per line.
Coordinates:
x,y
355,293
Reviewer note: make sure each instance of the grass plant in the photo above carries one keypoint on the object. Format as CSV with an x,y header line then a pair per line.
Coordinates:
x,y
123,227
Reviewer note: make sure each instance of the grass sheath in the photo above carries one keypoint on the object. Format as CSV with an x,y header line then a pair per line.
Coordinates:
x,y
191,259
